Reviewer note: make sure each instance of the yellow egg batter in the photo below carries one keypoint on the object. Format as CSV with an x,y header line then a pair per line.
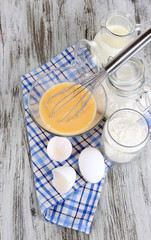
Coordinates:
x,y
67,126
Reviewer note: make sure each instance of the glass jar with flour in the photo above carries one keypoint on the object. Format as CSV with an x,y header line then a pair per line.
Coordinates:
x,y
126,88
124,136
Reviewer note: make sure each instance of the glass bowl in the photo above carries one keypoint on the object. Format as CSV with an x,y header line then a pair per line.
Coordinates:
x,y
48,80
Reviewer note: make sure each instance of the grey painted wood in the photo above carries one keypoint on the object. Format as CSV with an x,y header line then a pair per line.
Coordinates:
x,y
31,33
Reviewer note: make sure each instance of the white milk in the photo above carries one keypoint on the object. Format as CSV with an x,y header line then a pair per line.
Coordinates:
x,y
109,44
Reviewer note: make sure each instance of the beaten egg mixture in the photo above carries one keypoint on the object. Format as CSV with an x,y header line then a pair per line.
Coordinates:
x,y
69,125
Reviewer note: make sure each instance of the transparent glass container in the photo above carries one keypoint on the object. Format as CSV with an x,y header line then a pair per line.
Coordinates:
x,y
50,79
126,88
112,149
117,29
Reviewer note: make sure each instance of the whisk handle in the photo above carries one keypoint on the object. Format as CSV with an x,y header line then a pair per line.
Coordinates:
x,y
128,51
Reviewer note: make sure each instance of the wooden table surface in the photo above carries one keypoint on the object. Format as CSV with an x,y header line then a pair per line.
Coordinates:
x,y
31,33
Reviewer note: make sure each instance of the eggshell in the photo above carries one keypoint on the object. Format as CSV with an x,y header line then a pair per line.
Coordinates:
x,y
91,164
63,178
59,149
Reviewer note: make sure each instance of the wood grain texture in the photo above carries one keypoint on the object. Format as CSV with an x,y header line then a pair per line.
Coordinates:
x,y
31,33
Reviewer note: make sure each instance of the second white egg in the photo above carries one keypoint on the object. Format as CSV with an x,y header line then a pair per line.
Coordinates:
x,y
91,164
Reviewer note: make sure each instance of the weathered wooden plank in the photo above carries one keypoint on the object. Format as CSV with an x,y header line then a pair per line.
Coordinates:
x,y
32,32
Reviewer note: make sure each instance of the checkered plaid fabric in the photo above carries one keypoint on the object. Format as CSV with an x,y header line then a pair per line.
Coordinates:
x,y
147,115
76,208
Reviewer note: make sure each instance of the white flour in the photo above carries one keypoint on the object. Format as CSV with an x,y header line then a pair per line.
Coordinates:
x,y
127,132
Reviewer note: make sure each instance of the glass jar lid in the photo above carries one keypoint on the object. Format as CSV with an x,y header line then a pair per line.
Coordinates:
x,y
128,79
130,73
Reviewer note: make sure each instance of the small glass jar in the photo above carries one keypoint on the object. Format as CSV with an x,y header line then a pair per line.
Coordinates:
x,y
112,148
126,88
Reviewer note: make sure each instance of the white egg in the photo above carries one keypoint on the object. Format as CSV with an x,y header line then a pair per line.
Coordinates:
x,y
59,149
63,178
91,164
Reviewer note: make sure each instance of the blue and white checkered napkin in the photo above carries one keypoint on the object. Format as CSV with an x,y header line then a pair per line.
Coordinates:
x,y
147,115
76,208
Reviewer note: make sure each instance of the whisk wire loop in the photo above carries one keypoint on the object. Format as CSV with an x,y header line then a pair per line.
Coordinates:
x,y
88,86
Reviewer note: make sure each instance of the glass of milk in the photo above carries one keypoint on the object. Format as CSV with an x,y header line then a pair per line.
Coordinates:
x,y
124,136
118,28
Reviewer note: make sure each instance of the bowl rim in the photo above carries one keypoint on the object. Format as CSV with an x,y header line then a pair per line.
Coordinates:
x,y
57,134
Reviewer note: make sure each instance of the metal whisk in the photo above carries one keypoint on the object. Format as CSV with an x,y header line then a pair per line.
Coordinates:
x,y
92,82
